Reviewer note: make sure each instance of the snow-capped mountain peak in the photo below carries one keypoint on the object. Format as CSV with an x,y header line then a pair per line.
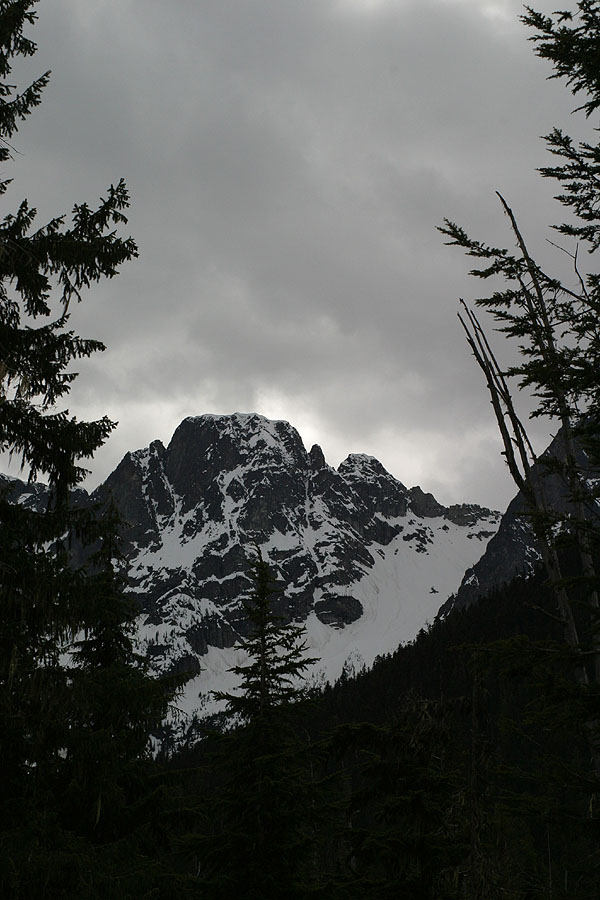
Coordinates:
x,y
365,560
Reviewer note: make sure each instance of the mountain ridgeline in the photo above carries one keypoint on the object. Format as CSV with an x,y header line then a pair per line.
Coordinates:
x,y
365,561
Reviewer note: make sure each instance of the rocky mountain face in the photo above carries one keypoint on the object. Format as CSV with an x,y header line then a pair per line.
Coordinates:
x,y
513,550
365,561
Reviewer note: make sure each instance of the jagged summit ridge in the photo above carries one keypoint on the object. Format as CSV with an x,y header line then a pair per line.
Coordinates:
x,y
365,559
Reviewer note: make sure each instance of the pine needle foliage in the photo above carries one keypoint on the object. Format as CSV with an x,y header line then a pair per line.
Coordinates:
x,y
555,323
260,842
276,651
76,706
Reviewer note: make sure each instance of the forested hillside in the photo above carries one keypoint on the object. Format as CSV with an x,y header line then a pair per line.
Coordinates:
x,y
457,767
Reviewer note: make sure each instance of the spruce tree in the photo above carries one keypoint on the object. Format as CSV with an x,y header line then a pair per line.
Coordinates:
x,y
555,322
276,652
556,327
76,707
259,845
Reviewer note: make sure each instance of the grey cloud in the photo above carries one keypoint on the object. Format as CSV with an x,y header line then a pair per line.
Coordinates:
x,y
288,164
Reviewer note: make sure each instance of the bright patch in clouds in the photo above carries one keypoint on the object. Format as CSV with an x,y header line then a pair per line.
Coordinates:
x,y
289,263
369,6
499,10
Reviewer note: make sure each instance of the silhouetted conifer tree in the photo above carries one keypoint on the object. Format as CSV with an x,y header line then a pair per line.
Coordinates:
x,y
261,844
556,324
76,707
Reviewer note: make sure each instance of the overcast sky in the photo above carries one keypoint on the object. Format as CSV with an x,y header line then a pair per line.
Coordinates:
x,y
288,161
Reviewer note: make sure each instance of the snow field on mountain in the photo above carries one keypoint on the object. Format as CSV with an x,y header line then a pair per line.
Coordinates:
x,y
364,561
396,595
397,600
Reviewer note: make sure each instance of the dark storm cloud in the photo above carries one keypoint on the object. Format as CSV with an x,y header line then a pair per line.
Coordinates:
x,y
288,162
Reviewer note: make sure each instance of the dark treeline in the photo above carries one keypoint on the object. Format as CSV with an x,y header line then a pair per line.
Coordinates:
x,y
456,767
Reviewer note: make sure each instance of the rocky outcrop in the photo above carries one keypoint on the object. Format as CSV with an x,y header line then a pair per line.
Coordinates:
x,y
513,549
363,559
225,484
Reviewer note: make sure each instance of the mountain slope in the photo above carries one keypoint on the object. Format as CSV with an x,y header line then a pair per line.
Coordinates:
x,y
513,550
365,560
